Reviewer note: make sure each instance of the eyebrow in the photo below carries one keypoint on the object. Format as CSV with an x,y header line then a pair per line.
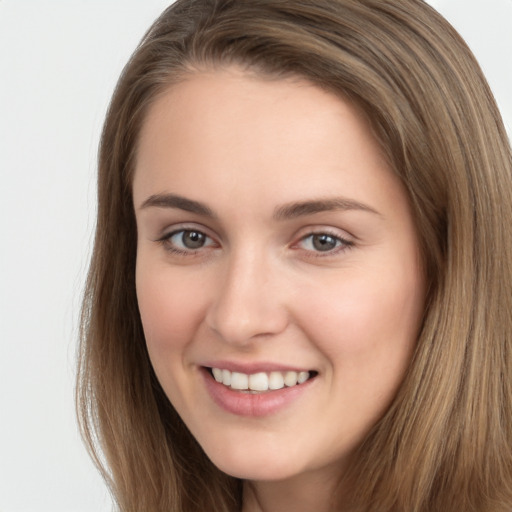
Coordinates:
x,y
302,208
285,212
179,202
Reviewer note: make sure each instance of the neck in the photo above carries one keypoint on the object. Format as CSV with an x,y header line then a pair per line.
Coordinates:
x,y
303,493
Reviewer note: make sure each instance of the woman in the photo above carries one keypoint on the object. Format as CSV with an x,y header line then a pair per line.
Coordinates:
x,y
299,295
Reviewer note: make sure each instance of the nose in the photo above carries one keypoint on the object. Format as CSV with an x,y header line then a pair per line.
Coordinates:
x,y
248,303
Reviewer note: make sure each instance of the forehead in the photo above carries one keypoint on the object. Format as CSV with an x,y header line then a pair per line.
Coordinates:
x,y
237,139
229,109
230,103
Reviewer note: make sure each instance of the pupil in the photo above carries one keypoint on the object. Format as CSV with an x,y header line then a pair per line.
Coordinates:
x,y
193,239
324,242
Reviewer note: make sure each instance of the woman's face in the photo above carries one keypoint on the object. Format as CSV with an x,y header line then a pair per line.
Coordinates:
x,y
278,273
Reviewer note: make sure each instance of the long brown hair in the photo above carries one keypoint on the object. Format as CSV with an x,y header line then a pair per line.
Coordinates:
x,y
446,441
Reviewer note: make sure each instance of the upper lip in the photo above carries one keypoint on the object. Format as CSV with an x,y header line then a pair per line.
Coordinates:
x,y
254,367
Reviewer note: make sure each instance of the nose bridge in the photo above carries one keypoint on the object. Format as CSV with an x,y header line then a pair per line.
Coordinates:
x,y
248,302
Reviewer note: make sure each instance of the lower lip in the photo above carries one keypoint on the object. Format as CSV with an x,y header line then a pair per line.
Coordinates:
x,y
252,404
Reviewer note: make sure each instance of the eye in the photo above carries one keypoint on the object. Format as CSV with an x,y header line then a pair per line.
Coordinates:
x,y
323,243
186,241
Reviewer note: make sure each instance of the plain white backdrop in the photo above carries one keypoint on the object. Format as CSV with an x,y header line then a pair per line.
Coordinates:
x,y
59,61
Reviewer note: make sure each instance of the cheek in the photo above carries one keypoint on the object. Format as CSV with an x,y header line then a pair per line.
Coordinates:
x,y
370,319
169,309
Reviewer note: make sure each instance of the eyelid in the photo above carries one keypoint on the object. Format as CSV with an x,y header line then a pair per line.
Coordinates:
x,y
184,226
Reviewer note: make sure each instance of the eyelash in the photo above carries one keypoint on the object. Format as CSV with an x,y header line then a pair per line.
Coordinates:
x,y
166,241
341,244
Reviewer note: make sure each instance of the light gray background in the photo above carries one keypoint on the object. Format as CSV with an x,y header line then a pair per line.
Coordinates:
x,y
59,61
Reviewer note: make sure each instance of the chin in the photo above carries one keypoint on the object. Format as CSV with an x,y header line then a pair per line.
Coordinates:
x,y
264,472
261,467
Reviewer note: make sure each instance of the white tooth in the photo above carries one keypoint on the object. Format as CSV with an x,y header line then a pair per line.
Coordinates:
x,y
290,379
217,374
258,382
226,377
303,377
276,380
239,381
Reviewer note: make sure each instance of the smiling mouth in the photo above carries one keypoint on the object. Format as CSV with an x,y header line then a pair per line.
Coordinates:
x,y
261,381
